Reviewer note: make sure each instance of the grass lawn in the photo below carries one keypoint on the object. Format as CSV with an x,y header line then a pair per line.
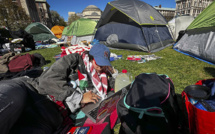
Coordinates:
x,y
183,70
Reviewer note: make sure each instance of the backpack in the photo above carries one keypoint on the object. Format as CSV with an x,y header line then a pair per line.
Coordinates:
x,y
149,107
21,62
27,41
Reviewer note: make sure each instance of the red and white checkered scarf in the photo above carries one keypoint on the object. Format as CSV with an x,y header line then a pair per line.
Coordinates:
x,y
99,80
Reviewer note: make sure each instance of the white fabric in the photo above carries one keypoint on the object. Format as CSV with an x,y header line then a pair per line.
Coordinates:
x,y
74,100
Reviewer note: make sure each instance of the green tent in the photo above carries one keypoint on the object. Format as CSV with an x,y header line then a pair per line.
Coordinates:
x,y
39,31
205,19
81,27
199,41
65,30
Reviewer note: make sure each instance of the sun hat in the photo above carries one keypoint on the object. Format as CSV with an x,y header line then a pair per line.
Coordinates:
x,y
101,54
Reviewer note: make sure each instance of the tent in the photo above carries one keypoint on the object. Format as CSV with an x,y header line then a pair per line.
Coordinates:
x,y
81,29
199,39
178,24
57,30
65,30
133,24
39,31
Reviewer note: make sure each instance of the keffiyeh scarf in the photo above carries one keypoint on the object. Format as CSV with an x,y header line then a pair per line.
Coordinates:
x,y
99,80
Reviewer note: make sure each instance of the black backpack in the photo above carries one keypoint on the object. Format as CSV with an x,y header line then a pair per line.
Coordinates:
x,y
149,107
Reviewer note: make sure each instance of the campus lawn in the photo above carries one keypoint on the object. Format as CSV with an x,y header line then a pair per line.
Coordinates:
x,y
183,70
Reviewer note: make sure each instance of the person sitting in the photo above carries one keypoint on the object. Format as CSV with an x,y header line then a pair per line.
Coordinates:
x,y
36,113
92,69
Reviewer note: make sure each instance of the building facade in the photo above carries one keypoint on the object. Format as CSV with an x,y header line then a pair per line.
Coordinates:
x,y
191,7
168,13
37,10
90,12
30,8
44,12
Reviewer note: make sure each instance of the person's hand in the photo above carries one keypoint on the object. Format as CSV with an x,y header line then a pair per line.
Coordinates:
x,y
90,97
110,69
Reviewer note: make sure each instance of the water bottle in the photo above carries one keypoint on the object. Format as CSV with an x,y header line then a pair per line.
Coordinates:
x,y
122,80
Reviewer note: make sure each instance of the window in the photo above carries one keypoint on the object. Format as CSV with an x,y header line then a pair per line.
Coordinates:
x,y
188,11
200,4
40,5
184,5
195,4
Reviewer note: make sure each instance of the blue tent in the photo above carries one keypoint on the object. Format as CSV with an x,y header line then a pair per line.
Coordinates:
x,y
134,25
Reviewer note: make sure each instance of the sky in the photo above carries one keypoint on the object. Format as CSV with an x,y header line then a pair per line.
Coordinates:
x,y
65,6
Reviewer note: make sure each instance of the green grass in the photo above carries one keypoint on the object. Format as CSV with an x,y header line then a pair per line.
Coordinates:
x,y
183,70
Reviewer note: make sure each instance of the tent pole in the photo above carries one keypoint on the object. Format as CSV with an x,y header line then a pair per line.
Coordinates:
x,y
144,38
159,36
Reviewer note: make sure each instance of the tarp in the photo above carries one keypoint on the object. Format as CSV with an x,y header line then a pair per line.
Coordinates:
x,y
57,30
81,27
199,40
39,31
133,24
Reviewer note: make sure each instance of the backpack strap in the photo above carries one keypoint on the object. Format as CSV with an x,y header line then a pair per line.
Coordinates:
x,y
127,129
143,111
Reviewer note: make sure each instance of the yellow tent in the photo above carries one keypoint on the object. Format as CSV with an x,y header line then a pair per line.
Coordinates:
x,y
57,30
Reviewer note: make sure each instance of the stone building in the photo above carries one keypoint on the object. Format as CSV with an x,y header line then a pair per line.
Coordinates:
x,y
44,12
30,8
168,13
71,13
37,10
191,7
90,12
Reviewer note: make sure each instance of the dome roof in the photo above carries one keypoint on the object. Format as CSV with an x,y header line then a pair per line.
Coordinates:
x,y
91,8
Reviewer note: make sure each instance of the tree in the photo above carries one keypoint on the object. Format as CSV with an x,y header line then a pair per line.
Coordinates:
x,y
57,19
72,18
13,16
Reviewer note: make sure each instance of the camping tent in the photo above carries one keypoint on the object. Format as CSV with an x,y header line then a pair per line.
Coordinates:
x,y
81,29
178,24
199,39
57,30
133,24
65,30
39,31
